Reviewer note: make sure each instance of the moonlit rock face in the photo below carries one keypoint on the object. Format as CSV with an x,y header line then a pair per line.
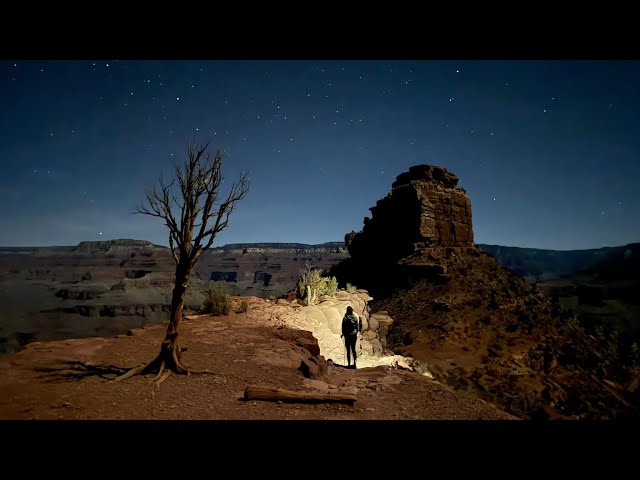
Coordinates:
x,y
424,209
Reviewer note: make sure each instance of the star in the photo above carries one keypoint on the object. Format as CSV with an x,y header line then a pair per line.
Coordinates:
x,y
178,99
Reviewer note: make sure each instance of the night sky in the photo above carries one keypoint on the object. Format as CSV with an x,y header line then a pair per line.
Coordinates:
x,y
548,151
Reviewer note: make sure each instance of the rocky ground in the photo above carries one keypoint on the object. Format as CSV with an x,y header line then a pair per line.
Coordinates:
x,y
486,330
70,379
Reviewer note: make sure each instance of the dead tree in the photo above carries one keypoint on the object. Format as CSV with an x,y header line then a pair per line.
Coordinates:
x,y
202,215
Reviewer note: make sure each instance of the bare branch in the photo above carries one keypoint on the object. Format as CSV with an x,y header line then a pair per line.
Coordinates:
x,y
238,192
199,179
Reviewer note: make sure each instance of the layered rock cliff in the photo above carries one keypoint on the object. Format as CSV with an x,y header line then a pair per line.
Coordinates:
x,y
478,326
424,209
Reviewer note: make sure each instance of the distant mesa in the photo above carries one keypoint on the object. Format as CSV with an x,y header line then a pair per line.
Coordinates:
x,y
112,245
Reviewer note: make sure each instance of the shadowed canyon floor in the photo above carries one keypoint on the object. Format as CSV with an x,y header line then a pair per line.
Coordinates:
x,y
69,379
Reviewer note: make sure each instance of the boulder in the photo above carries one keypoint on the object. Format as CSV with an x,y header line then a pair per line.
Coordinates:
x,y
373,324
314,367
333,319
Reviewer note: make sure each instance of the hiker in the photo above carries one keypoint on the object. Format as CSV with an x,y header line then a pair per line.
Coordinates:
x,y
351,326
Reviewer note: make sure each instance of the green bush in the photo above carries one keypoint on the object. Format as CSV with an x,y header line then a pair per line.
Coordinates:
x,y
311,283
331,287
244,307
217,301
351,288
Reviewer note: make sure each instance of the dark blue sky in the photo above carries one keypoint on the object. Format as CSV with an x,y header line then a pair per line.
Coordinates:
x,y
549,152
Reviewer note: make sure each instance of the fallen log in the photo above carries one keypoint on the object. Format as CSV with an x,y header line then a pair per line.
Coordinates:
x,y
273,394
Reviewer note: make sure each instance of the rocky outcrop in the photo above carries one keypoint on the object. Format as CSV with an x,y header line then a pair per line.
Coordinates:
x,y
324,321
424,209
476,325
424,216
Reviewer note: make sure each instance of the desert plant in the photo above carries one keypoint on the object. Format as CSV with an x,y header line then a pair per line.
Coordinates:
x,y
351,288
217,301
244,307
311,283
331,286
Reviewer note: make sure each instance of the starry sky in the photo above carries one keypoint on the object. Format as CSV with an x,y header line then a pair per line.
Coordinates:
x,y
548,151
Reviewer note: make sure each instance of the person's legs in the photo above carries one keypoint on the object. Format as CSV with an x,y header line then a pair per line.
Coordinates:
x,y
353,348
347,347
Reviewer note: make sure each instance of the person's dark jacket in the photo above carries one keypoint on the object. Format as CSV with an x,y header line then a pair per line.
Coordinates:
x,y
351,325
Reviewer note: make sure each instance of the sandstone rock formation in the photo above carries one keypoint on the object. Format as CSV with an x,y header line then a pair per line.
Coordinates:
x,y
476,325
425,208
324,321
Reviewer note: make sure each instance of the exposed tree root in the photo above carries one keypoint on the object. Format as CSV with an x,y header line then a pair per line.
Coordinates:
x,y
132,372
160,370
166,363
164,376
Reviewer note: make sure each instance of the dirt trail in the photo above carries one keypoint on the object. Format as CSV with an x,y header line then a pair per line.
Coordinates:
x,y
69,379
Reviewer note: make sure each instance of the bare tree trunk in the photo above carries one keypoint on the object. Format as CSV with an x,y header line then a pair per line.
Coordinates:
x,y
199,179
168,360
170,349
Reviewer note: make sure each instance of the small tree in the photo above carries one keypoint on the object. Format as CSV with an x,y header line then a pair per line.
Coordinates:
x,y
194,219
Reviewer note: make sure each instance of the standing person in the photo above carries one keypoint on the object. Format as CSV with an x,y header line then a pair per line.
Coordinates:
x,y
351,326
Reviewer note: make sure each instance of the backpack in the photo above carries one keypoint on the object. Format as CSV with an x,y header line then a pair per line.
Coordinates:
x,y
350,325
